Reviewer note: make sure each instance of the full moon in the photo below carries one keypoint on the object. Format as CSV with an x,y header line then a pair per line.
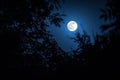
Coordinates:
x,y
72,25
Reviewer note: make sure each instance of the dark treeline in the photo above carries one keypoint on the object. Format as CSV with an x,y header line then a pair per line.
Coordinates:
x,y
28,50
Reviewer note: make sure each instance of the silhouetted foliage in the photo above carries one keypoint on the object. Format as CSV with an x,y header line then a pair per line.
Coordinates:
x,y
112,37
111,13
25,40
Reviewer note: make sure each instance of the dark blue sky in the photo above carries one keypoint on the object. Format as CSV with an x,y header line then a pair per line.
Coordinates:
x,y
86,13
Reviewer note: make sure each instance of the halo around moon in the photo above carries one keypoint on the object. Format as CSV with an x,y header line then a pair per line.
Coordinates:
x,y
72,25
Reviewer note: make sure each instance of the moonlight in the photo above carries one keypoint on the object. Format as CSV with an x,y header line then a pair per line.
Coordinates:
x,y
72,25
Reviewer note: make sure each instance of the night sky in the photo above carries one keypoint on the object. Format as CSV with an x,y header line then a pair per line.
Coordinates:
x,y
86,13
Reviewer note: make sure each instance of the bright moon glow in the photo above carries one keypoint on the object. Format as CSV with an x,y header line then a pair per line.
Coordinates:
x,y
72,25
